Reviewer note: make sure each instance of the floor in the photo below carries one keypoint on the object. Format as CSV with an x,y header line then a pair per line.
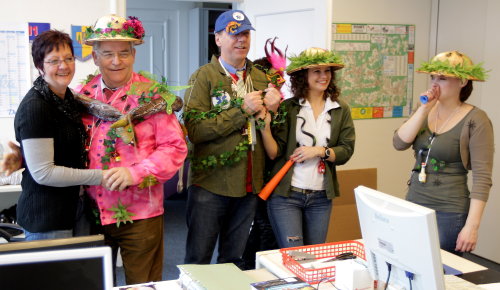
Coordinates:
x,y
175,237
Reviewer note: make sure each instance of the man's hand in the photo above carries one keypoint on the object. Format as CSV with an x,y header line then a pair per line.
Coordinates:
x,y
272,98
117,178
252,102
12,161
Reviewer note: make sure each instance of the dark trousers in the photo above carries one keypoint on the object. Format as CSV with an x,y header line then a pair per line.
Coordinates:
x,y
141,248
449,226
210,217
261,235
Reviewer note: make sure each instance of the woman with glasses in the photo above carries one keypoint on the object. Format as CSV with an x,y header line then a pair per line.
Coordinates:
x,y
49,128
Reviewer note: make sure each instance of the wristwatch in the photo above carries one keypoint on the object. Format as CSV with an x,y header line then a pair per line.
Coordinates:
x,y
327,153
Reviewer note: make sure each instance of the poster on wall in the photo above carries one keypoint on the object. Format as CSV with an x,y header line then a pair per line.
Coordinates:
x,y
34,29
83,52
14,66
377,80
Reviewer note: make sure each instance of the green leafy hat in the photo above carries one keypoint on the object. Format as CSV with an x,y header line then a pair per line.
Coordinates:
x,y
115,28
313,57
454,64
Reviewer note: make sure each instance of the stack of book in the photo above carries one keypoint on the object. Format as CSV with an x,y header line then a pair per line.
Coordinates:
x,y
280,284
213,277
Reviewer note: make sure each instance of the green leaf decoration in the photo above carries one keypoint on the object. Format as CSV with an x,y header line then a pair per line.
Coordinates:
x,y
148,181
279,117
460,71
224,159
122,215
304,59
96,215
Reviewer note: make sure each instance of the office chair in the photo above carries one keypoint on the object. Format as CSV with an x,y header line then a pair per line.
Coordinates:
x,y
10,232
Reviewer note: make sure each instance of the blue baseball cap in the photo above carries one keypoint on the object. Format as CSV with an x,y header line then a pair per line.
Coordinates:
x,y
233,21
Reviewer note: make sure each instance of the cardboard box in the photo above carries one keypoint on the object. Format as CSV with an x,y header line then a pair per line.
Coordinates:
x,y
344,222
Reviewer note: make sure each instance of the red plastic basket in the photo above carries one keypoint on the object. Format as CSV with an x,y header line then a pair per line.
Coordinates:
x,y
329,250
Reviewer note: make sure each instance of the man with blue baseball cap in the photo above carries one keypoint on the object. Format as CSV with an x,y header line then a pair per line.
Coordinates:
x,y
227,98
241,22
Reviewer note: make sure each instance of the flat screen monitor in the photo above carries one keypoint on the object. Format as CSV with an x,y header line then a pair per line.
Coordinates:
x,y
402,234
52,244
85,268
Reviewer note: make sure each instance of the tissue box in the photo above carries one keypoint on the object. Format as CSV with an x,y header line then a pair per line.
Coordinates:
x,y
353,275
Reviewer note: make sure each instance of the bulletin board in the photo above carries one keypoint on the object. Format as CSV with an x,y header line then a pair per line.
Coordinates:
x,y
377,80
14,66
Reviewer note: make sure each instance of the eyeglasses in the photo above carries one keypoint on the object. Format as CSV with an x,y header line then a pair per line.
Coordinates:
x,y
110,55
57,62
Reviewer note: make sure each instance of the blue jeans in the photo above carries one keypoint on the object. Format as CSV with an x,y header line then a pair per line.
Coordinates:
x,y
210,216
300,219
48,235
449,226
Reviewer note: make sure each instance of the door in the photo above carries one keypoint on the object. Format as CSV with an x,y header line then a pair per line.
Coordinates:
x,y
298,24
165,48
150,55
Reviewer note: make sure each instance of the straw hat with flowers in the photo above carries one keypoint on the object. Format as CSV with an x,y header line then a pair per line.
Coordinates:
x,y
115,28
454,64
313,57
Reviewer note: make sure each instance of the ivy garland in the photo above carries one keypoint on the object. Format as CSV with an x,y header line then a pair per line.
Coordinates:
x,y
240,151
225,159
147,91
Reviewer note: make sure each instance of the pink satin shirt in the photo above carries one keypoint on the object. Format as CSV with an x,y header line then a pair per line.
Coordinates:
x,y
160,151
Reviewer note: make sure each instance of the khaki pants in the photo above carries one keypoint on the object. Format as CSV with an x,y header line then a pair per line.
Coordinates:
x,y
141,247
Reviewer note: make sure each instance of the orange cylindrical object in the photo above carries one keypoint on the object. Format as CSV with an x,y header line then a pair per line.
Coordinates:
x,y
271,185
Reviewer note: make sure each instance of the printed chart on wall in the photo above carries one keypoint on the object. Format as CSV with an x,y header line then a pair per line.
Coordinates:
x,y
14,66
377,80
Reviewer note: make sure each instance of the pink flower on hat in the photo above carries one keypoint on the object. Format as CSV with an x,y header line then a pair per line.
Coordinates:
x,y
134,25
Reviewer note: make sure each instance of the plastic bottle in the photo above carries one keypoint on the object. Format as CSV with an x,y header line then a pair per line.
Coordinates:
x,y
424,99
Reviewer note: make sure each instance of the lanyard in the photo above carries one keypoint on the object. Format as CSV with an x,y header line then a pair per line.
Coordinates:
x,y
422,176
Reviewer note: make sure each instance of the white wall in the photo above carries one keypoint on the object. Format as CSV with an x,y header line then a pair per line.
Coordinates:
x,y
489,233
61,15
374,137
477,35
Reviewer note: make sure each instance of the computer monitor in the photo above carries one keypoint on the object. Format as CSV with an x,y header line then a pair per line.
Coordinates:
x,y
52,244
403,235
85,268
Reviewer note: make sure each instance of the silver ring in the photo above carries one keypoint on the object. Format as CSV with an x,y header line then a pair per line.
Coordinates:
x,y
300,154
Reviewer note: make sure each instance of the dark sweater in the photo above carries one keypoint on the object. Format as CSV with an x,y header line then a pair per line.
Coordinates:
x,y
45,208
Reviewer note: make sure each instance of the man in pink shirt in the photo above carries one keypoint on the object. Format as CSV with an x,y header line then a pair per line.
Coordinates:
x,y
131,212
130,208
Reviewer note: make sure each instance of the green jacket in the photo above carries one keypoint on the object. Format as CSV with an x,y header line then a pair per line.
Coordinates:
x,y
342,139
214,136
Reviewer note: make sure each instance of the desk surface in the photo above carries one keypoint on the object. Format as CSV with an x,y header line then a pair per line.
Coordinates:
x,y
10,188
9,195
258,275
272,261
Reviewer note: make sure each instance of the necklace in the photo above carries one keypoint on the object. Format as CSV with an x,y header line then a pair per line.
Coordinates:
x,y
436,131
422,176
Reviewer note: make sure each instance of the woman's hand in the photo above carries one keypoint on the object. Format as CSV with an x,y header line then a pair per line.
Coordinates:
x,y
432,96
11,161
467,239
303,153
